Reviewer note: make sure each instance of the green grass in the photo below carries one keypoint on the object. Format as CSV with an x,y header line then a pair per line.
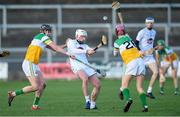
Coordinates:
x,y
65,98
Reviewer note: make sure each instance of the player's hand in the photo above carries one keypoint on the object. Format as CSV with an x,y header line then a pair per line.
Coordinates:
x,y
90,52
5,53
141,53
72,56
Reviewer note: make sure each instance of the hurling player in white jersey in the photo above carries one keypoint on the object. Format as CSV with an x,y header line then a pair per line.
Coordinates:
x,y
145,41
80,50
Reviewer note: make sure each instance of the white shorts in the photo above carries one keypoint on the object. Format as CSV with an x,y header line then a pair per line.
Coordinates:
x,y
89,72
30,69
167,64
135,67
148,60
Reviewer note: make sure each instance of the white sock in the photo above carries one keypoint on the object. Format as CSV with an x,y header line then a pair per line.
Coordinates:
x,y
93,104
87,98
145,106
149,90
121,89
13,93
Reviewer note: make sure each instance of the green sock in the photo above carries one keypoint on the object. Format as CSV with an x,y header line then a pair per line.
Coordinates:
x,y
161,88
126,94
19,92
36,101
177,89
143,99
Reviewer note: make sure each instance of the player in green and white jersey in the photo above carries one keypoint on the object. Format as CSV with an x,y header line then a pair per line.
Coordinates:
x,y
134,67
166,58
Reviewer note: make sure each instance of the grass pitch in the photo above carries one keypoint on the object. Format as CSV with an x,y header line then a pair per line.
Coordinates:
x,y
65,98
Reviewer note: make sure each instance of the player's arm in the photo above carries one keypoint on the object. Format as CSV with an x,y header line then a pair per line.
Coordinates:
x,y
52,46
63,46
115,52
56,48
90,51
138,39
72,47
116,49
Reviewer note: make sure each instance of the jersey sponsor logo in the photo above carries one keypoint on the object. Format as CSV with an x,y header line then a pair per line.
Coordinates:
x,y
81,48
150,41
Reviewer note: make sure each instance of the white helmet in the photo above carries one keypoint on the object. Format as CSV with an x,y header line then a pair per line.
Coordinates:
x,y
149,19
81,32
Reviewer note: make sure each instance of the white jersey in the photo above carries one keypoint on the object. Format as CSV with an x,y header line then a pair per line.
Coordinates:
x,y
146,39
79,51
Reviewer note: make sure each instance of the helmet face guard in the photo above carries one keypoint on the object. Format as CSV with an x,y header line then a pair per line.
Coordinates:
x,y
120,29
80,32
46,27
81,35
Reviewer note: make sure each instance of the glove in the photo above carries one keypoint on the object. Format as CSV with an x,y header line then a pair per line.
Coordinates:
x,y
4,53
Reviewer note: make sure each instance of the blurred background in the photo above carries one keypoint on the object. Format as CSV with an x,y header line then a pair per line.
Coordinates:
x,y
20,21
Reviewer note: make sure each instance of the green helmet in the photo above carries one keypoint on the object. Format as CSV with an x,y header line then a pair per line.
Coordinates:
x,y
161,42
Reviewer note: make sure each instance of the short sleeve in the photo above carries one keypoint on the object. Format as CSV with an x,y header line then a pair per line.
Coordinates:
x,y
46,40
116,45
139,35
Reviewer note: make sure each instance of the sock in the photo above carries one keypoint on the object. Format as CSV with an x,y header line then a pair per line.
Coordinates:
x,y
149,90
87,98
177,89
36,101
93,104
143,99
126,94
17,92
162,88
121,89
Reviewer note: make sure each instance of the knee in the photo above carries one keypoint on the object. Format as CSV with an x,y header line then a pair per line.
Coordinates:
x,y
98,86
140,90
85,81
35,87
155,73
124,85
44,86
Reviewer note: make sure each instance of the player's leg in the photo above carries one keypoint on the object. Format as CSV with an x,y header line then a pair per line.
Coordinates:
x,y
174,76
153,67
126,93
31,88
38,93
131,70
139,84
120,93
142,95
30,71
162,71
83,76
95,92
